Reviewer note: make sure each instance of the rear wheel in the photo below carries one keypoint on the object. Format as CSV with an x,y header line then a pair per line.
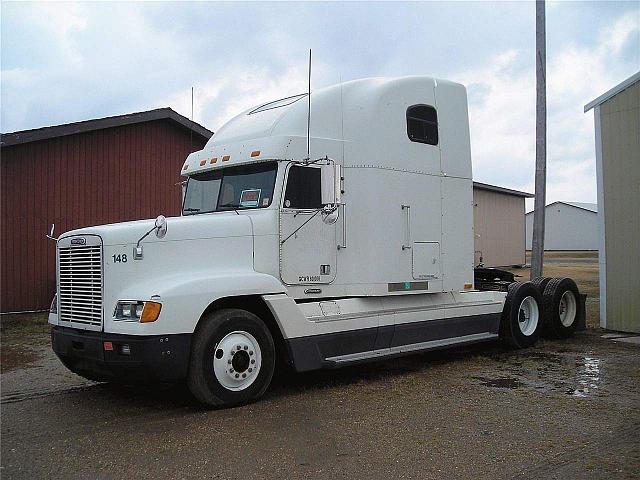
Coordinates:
x,y
562,308
232,358
521,315
541,282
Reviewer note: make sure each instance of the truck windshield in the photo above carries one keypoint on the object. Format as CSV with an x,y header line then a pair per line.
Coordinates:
x,y
231,188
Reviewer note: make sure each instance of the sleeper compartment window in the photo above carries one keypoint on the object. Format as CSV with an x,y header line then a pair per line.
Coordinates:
x,y
422,124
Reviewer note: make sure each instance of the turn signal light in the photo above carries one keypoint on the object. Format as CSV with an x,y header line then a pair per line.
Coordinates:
x,y
151,312
255,153
468,286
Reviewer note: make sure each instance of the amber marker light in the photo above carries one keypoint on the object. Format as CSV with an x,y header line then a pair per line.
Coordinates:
x,y
226,158
150,312
468,286
213,160
186,165
255,153
203,163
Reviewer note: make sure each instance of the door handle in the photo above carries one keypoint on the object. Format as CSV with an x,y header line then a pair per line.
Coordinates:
x,y
407,208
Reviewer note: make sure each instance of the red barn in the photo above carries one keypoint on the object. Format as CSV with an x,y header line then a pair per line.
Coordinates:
x,y
85,173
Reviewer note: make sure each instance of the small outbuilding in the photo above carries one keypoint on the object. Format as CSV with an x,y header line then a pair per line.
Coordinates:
x,y
79,174
617,132
498,222
567,226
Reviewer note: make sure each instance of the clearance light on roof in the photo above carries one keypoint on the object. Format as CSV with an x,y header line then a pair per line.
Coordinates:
x,y
186,166
203,163
213,160
226,158
255,153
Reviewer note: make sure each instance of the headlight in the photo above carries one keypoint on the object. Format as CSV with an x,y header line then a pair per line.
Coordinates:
x,y
137,311
54,304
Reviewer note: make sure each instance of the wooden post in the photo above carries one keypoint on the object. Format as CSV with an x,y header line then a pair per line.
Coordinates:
x,y
537,247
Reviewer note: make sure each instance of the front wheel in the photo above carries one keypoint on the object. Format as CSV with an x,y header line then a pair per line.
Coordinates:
x,y
521,315
232,358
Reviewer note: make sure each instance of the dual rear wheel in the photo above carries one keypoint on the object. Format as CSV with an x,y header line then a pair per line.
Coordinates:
x,y
544,306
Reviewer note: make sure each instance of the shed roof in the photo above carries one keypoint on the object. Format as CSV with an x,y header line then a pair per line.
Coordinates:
x,y
25,136
506,191
592,207
613,92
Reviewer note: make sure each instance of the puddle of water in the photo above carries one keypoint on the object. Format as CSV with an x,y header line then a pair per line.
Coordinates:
x,y
504,382
577,376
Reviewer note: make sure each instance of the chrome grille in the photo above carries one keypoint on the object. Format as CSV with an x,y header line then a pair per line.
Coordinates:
x,y
80,284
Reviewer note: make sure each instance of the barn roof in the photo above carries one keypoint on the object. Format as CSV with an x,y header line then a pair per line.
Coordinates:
x,y
25,136
592,207
506,191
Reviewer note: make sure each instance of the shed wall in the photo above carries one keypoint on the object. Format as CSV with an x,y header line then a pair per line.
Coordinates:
x,y
620,148
104,176
566,228
498,222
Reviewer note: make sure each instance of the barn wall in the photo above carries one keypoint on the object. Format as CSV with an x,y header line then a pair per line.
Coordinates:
x,y
498,222
620,149
105,176
566,228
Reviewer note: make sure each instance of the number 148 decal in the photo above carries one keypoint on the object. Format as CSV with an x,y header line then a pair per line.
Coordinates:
x,y
119,258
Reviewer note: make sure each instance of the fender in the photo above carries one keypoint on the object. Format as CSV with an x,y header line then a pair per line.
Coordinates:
x,y
185,299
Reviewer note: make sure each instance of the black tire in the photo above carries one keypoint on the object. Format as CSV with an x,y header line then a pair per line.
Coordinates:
x,y
541,283
202,380
510,330
552,297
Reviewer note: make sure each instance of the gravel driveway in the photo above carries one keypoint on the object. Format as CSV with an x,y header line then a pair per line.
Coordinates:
x,y
560,410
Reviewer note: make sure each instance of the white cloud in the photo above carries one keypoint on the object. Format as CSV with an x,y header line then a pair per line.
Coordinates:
x,y
502,112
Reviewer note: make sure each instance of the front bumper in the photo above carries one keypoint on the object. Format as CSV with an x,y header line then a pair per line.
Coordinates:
x,y
160,358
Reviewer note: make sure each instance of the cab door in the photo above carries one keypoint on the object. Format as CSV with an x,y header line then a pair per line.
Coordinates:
x,y
308,248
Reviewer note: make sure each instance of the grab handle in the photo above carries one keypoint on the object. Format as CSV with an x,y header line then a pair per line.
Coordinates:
x,y
407,208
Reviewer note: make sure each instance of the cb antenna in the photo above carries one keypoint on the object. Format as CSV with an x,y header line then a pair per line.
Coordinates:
x,y
309,113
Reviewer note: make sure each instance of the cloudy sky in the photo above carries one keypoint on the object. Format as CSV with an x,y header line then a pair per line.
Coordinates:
x,y
66,62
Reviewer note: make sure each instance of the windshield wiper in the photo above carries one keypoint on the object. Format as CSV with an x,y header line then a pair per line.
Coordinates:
x,y
233,206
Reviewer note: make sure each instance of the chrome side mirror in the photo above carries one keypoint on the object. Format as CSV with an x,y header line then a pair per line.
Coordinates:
x,y
161,226
330,183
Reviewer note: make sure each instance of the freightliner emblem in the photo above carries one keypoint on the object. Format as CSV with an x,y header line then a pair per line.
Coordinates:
x,y
78,241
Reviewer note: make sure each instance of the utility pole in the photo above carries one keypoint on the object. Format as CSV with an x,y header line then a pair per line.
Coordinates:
x,y
537,247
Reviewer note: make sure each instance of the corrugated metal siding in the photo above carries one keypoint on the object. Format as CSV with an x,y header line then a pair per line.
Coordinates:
x,y
620,124
104,176
498,222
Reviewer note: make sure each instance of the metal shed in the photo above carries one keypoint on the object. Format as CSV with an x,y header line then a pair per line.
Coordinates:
x,y
617,133
568,226
498,223
86,173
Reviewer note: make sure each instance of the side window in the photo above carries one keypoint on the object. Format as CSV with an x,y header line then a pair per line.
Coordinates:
x,y
303,188
422,124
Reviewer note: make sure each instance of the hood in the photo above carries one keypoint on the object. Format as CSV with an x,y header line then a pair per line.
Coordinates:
x,y
191,227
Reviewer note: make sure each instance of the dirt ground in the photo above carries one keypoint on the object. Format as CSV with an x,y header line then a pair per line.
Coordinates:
x,y
562,409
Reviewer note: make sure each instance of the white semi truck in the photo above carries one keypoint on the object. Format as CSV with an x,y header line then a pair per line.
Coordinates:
x,y
346,242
